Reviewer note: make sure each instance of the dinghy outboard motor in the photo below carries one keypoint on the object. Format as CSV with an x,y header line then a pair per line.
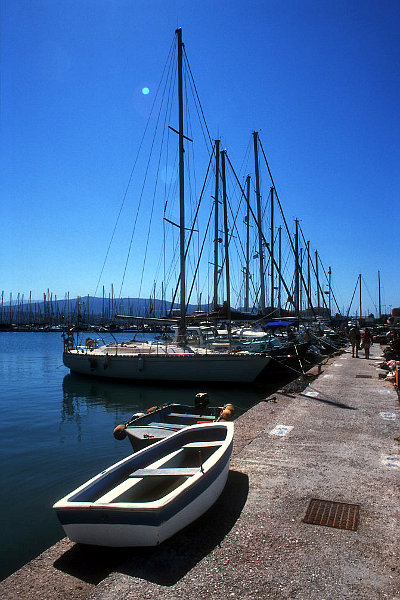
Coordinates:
x,y
201,400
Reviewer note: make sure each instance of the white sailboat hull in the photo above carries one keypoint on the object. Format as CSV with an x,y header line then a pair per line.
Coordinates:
x,y
185,367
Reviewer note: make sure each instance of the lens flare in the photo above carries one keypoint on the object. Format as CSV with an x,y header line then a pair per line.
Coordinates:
x,y
145,91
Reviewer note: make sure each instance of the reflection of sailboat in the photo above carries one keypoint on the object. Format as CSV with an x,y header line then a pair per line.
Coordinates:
x,y
178,361
122,399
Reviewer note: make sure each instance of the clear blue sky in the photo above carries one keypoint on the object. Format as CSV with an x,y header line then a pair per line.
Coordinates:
x,y
319,79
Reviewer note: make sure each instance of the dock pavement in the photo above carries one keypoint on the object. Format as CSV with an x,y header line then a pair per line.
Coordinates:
x,y
334,446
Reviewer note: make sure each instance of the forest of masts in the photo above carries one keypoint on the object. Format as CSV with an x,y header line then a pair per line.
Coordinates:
x,y
242,254
306,296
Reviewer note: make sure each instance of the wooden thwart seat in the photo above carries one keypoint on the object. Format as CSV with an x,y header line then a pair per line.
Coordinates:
x,y
187,416
176,472
202,444
164,425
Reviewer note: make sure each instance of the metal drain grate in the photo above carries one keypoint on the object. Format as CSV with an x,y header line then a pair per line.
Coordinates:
x,y
363,376
332,514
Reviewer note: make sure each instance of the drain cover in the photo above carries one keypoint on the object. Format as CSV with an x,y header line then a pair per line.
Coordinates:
x,y
363,376
332,514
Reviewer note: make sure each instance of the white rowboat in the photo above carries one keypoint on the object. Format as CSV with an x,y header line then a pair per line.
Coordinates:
x,y
149,496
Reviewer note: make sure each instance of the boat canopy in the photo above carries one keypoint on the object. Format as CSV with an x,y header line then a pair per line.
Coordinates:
x,y
278,324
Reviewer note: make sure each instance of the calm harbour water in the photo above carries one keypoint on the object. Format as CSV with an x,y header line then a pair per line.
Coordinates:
x,y
56,432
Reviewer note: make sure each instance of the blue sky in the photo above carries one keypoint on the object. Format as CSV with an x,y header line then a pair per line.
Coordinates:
x,y
320,81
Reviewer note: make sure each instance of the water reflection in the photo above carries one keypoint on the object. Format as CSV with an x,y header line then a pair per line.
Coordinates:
x,y
123,398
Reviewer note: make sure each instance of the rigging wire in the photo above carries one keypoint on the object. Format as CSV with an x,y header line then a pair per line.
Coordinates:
x,y
168,61
142,190
369,293
152,204
254,217
198,262
315,273
193,226
280,206
197,96
352,298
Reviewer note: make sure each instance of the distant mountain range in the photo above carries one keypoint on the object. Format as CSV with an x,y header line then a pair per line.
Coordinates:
x,y
84,309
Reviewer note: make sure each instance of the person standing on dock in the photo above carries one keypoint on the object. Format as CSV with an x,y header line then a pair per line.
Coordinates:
x,y
367,341
355,338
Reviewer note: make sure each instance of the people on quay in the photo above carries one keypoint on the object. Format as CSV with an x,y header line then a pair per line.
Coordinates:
x,y
366,341
355,338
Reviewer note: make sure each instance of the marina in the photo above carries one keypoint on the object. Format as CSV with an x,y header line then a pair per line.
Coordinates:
x,y
219,424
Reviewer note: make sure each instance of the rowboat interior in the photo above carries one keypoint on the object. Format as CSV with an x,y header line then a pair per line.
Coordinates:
x,y
154,481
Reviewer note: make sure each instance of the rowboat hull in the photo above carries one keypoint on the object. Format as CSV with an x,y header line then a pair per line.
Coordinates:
x,y
105,511
118,532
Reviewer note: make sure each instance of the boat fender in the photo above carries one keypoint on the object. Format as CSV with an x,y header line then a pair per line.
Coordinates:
x,y
120,432
151,409
230,407
226,415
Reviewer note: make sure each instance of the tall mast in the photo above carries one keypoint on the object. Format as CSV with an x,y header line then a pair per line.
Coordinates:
x,y
301,279
316,275
308,277
182,321
272,249
329,286
360,294
280,268
216,230
379,293
260,244
226,237
296,268
247,274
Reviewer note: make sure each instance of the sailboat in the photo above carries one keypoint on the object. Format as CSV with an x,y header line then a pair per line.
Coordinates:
x,y
179,360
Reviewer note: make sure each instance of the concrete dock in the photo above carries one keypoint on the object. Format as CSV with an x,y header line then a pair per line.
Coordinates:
x,y
336,442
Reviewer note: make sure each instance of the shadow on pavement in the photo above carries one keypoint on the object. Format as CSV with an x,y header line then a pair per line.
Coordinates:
x,y
331,402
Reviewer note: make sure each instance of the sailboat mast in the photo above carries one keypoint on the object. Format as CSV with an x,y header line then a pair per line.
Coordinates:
x,y
247,274
279,269
330,289
216,233
182,322
260,244
296,268
316,275
226,232
379,293
360,296
272,250
308,277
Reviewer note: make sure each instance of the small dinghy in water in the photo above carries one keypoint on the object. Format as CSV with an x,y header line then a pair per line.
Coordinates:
x,y
160,422
149,496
